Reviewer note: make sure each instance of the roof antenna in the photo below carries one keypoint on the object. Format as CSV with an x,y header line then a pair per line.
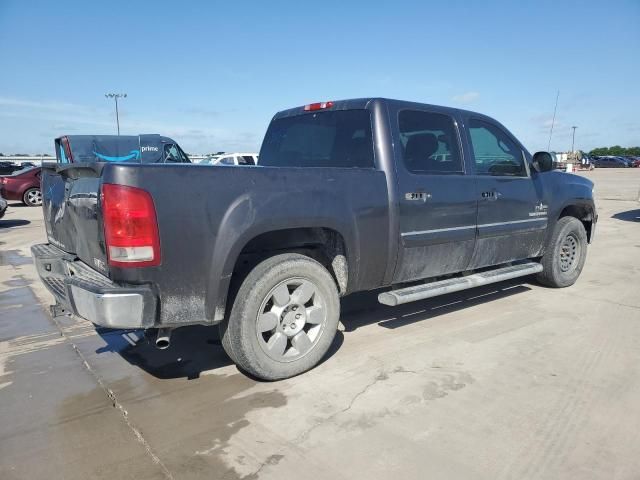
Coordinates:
x,y
553,121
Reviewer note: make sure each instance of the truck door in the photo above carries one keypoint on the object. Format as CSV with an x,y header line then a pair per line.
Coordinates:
x,y
437,201
512,213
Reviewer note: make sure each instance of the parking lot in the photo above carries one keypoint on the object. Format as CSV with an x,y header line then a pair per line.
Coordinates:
x,y
507,381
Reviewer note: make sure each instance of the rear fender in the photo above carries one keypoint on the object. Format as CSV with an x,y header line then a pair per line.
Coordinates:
x,y
247,218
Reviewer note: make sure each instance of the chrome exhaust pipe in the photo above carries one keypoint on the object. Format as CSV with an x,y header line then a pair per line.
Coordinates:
x,y
163,340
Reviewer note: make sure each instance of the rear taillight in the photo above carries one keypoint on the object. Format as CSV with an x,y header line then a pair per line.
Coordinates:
x,y
317,106
130,226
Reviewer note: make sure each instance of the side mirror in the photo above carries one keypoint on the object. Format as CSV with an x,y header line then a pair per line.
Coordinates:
x,y
542,162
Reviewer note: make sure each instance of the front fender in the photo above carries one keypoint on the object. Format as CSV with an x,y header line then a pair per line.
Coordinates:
x,y
568,190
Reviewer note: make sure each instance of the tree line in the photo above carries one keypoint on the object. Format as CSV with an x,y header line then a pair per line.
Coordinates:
x,y
616,150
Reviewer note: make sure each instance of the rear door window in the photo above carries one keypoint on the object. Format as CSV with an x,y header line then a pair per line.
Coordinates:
x,y
322,139
429,143
246,160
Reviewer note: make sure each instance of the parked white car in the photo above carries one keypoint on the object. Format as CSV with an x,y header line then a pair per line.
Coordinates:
x,y
233,159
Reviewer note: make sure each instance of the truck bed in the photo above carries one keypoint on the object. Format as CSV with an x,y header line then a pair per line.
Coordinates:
x,y
207,215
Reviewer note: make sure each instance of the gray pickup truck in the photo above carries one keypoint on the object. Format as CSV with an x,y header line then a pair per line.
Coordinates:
x,y
414,200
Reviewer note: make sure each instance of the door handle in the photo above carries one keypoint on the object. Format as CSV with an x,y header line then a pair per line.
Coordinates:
x,y
491,195
417,196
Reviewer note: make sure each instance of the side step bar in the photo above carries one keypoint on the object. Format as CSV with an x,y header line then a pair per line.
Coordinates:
x,y
420,292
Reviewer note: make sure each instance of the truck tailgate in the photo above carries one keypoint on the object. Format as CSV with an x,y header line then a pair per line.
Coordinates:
x,y
70,204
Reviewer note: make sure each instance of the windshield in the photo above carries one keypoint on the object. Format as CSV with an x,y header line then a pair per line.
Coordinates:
x,y
23,170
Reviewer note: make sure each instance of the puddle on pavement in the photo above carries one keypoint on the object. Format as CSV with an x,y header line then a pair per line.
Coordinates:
x,y
24,328
189,401
17,281
21,313
13,257
187,417
188,424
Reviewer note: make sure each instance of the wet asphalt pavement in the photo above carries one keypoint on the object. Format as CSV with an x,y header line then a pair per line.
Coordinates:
x,y
508,381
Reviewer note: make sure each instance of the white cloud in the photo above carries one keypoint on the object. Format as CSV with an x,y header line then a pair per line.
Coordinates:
x,y
467,97
43,105
33,124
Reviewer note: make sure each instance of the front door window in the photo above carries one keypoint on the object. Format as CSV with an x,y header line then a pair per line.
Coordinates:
x,y
495,153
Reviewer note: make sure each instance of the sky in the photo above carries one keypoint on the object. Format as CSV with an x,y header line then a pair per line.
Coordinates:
x,y
212,74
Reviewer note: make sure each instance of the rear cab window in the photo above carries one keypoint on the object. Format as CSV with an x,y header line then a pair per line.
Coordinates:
x,y
340,138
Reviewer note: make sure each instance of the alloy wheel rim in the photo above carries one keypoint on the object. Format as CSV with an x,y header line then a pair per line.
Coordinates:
x,y
291,320
569,253
34,197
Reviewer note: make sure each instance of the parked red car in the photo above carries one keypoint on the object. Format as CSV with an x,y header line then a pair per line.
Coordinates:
x,y
23,185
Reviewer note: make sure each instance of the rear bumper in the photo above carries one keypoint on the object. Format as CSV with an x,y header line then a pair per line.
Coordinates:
x,y
90,295
9,195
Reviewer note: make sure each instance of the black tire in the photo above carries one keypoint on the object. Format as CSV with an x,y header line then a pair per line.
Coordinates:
x,y
256,298
565,254
32,197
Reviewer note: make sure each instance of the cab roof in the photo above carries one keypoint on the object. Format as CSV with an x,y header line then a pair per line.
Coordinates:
x,y
362,103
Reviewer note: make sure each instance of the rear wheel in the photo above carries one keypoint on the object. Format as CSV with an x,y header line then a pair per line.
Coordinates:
x,y
284,317
565,254
32,197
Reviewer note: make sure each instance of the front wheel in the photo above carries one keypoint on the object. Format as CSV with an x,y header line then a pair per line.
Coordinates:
x,y
32,197
284,317
565,254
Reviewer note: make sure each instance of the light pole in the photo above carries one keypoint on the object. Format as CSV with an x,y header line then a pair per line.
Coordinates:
x,y
116,96
573,138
